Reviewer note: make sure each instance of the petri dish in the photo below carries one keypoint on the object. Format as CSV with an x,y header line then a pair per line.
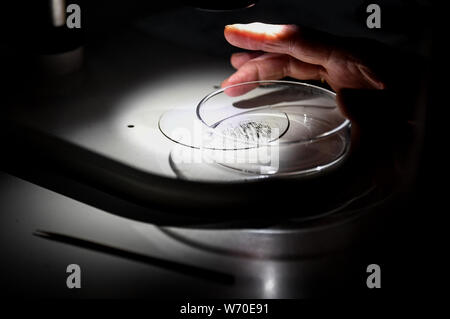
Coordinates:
x,y
267,129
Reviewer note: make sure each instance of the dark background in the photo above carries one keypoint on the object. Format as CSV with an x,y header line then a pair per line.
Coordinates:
x,y
406,31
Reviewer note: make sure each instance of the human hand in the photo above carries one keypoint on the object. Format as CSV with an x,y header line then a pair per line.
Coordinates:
x,y
380,99
287,50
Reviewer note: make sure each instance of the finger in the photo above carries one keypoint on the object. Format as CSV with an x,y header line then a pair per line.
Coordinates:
x,y
287,39
270,66
240,58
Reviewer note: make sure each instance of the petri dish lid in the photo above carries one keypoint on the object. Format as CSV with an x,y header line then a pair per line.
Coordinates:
x,y
262,112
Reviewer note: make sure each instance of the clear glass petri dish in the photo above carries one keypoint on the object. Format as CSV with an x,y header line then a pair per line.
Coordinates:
x,y
257,130
274,128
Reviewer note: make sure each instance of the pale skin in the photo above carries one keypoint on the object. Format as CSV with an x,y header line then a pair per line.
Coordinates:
x,y
278,51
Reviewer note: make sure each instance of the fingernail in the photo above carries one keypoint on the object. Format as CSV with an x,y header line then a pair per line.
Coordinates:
x,y
231,26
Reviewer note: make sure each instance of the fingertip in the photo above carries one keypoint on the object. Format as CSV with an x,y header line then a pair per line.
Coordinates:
x,y
224,83
230,34
229,29
233,79
233,91
226,29
238,90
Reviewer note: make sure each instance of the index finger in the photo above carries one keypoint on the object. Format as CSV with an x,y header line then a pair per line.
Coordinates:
x,y
278,38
